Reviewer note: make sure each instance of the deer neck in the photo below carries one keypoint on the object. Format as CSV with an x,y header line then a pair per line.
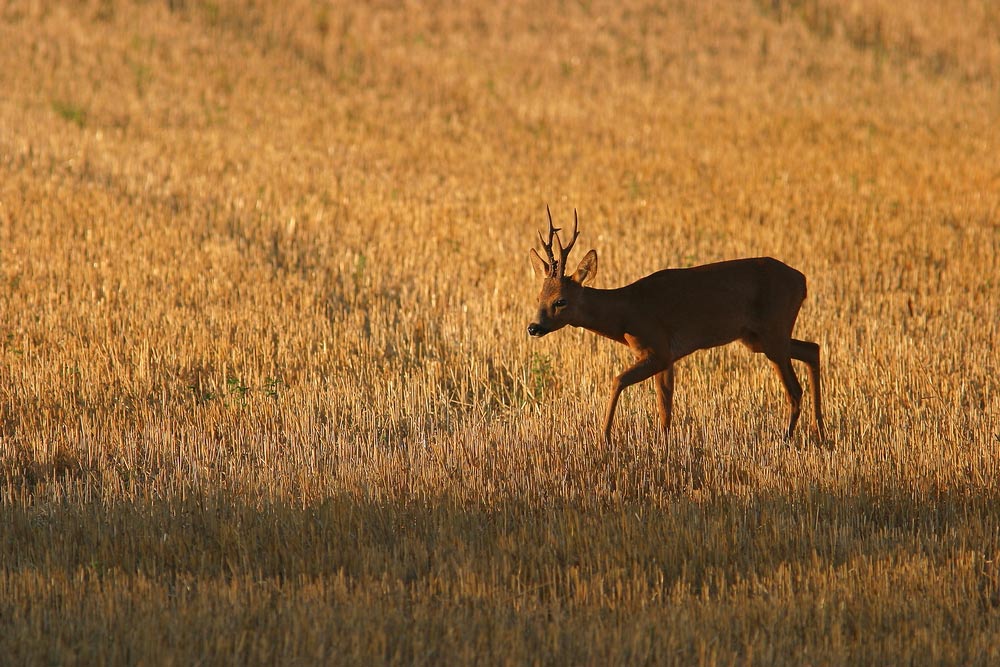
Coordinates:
x,y
602,312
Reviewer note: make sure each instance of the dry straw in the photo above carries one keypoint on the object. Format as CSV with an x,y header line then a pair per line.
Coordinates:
x,y
265,393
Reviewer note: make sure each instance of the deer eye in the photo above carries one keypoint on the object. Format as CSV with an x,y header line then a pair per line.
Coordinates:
x,y
560,303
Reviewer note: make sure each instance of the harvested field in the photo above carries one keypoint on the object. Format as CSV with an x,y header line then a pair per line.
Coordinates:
x,y
266,394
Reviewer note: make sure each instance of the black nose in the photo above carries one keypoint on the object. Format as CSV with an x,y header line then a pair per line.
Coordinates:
x,y
536,330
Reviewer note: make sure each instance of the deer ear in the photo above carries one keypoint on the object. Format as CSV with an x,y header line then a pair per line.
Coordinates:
x,y
539,265
587,269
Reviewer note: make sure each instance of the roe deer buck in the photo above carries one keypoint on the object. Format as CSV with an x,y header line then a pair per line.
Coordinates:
x,y
671,313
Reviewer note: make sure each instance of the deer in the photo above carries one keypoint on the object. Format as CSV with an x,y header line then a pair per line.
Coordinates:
x,y
669,314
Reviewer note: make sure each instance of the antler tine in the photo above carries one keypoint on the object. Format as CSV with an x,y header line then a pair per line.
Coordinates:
x,y
552,228
564,252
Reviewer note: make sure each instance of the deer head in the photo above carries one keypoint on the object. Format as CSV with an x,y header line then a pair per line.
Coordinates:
x,y
559,302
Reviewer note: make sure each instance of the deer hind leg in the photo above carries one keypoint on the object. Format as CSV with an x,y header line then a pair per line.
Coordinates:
x,y
665,398
780,356
643,369
808,352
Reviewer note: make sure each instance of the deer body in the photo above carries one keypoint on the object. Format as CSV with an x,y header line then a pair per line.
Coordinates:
x,y
672,313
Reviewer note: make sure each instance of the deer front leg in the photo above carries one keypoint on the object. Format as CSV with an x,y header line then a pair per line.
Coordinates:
x,y
643,369
665,399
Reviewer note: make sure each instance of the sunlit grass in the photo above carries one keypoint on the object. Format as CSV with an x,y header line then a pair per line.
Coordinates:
x,y
265,389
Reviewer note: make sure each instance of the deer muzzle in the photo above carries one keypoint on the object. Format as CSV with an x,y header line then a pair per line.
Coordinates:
x,y
536,330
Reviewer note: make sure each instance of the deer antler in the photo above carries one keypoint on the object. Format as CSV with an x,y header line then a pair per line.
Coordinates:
x,y
557,267
547,247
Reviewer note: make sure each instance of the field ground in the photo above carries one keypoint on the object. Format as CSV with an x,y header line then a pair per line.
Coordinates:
x,y
265,390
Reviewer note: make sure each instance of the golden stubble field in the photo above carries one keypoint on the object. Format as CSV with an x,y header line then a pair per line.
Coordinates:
x,y
266,394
